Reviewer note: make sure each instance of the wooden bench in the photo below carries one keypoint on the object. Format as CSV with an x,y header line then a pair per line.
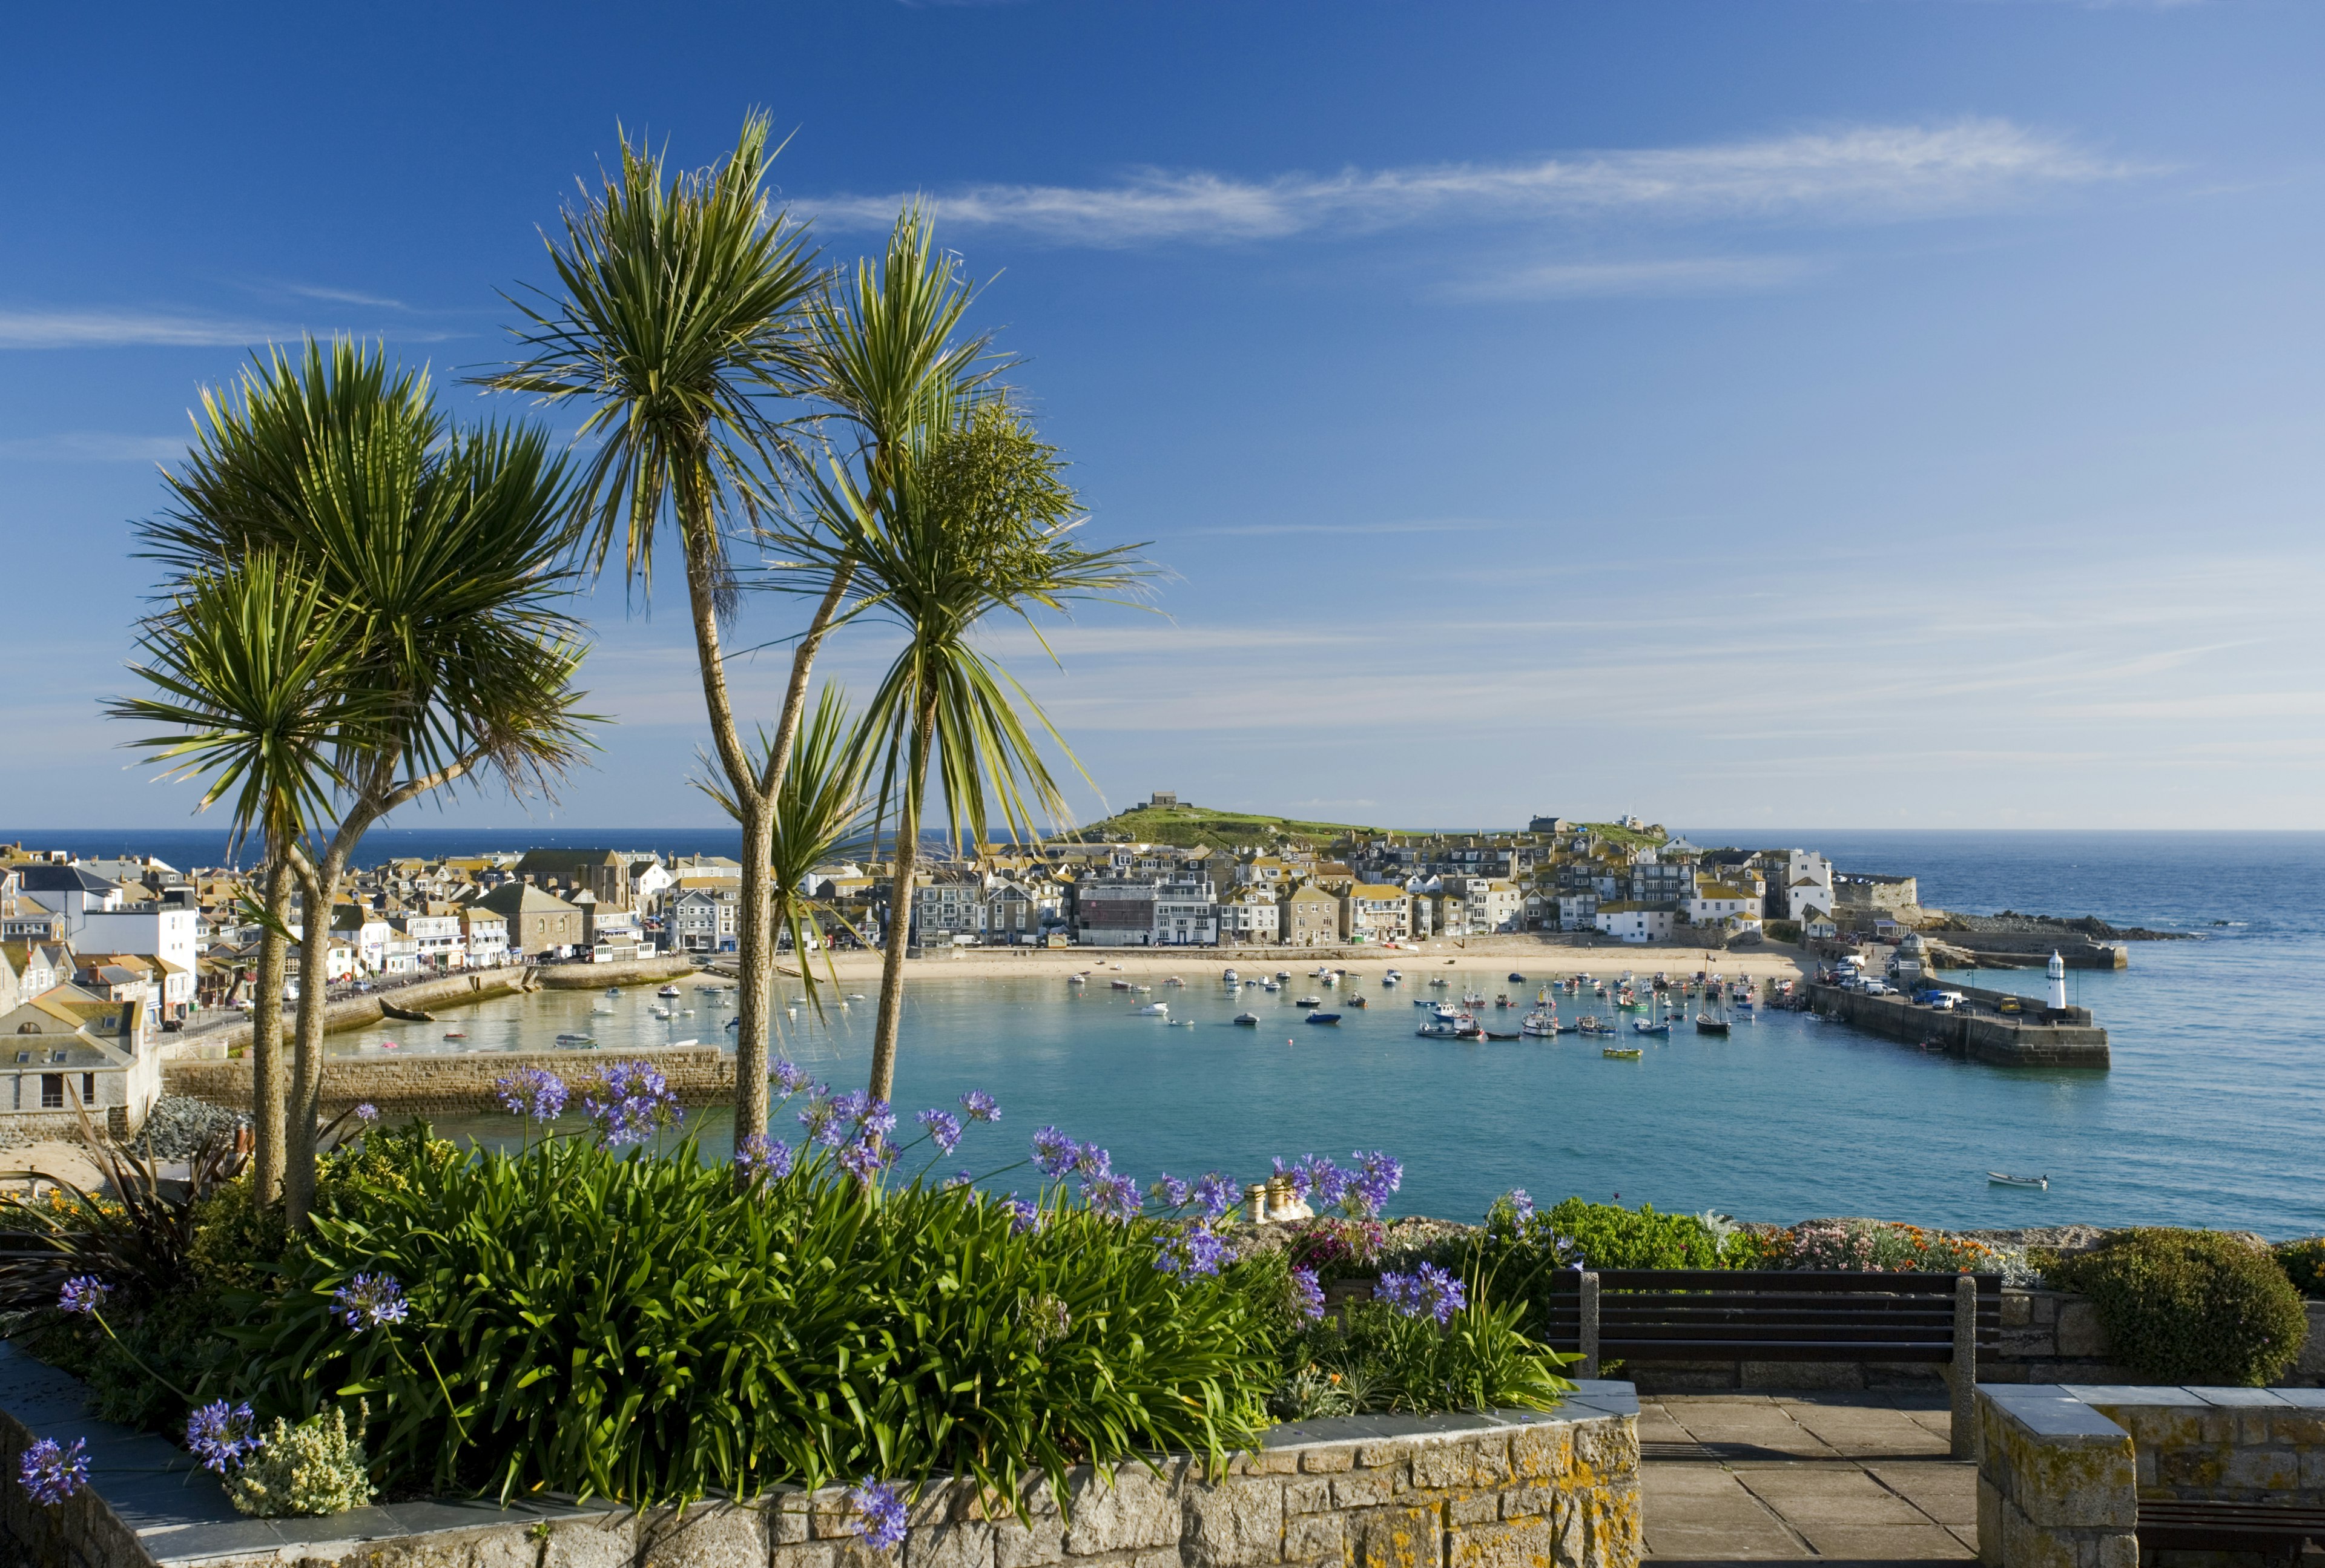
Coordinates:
x,y
2271,1529
1671,1314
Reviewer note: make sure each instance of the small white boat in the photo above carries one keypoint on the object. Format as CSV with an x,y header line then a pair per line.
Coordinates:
x,y
855,995
1229,976
1308,1002
1174,980
1269,985
613,990
659,1012
2002,1179
601,1012
1392,977
1152,1010
1282,975
1117,985
667,991
1249,1019
1077,979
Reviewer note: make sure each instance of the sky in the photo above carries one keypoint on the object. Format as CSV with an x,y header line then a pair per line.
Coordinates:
x,y
1856,413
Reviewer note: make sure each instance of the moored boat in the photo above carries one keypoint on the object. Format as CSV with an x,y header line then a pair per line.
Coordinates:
x,y
1622,1053
1323,1018
1705,1024
1251,1019
2003,1178
668,991
1152,1010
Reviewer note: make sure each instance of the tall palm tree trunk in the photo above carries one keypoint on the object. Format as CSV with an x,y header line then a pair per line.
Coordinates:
x,y
754,932
266,1103
320,885
900,901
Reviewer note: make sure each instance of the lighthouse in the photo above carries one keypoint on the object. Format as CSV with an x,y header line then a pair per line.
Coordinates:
x,y
2058,973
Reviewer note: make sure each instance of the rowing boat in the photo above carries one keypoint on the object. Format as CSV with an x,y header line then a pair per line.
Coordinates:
x,y
2002,1179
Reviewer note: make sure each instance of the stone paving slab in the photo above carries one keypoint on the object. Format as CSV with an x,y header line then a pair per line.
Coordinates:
x,y
1855,1476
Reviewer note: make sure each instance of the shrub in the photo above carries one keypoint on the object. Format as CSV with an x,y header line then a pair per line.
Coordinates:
x,y
299,1472
644,1328
2303,1263
1863,1247
1610,1236
2189,1306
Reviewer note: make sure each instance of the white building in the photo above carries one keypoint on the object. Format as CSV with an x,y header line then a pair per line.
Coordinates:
x,y
1185,913
1636,922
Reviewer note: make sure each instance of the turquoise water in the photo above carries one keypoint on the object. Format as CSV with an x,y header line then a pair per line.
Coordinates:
x,y
2207,1118
2216,1089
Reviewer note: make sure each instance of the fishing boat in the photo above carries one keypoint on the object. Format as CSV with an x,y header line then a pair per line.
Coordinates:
x,y
1444,1012
1502,999
1323,1018
1438,980
1438,1029
1539,1025
2003,1178
1641,1027
1490,1034
1705,1024
1589,1024
1248,1019
1473,999
1356,1002
406,1014
668,991
1152,1010
1622,1053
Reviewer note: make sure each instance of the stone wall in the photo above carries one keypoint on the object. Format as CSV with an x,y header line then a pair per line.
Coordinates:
x,y
454,1085
1500,1489
1998,1041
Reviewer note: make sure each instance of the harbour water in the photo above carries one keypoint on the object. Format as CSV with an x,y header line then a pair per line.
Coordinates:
x,y
2207,1117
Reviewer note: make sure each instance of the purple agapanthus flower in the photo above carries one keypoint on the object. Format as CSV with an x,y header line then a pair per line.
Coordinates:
x,y
1377,1176
1521,1203
822,1119
957,1179
534,1093
980,1106
944,1128
865,1114
366,1113
1213,1194
635,1103
1297,1175
881,1509
83,1292
51,1473
370,1301
1307,1295
1022,1216
219,1436
761,1155
1428,1292
1189,1252
1053,1152
1172,1191
1092,1162
787,1079
866,1157
1112,1197
1327,1183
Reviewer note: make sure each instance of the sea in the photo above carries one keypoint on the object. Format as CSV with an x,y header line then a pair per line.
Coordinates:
x,y
2207,1116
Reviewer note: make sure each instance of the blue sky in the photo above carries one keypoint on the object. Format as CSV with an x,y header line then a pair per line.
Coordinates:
x,y
1867,413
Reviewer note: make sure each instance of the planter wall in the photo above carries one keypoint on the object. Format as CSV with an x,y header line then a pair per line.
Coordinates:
x,y
1501,1489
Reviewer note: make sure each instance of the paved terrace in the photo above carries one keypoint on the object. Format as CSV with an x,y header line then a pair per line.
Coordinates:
x,y
1825,1476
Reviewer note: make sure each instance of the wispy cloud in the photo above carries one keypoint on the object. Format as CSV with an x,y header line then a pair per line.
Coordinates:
x,y
1859,173
101,329
347,297
1723,274
93,446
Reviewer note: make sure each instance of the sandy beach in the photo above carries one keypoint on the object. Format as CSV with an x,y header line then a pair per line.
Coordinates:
x,y
1489,961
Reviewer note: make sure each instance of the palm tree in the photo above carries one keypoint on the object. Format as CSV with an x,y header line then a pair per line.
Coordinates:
x,y
446,548
820,808
681,320
972,518
250,670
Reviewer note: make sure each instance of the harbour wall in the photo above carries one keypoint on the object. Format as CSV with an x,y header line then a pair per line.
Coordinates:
x,y
457,1085
453,990
2069,1039
2016,950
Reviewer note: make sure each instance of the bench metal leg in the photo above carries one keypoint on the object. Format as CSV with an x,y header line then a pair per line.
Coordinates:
x,y
1589,1303
1961,1374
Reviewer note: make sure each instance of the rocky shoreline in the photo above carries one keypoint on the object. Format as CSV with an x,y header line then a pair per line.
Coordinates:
x,y
2087,927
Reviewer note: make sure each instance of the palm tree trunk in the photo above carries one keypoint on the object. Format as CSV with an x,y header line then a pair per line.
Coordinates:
x,y
755,955
754,934
266,1105
899,902
320,885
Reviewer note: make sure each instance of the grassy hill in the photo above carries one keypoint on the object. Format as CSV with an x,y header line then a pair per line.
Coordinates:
x,y
1192,825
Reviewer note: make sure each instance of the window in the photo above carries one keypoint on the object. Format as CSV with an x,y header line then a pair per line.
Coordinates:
x,y
56,1056
52,1092
89,1088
